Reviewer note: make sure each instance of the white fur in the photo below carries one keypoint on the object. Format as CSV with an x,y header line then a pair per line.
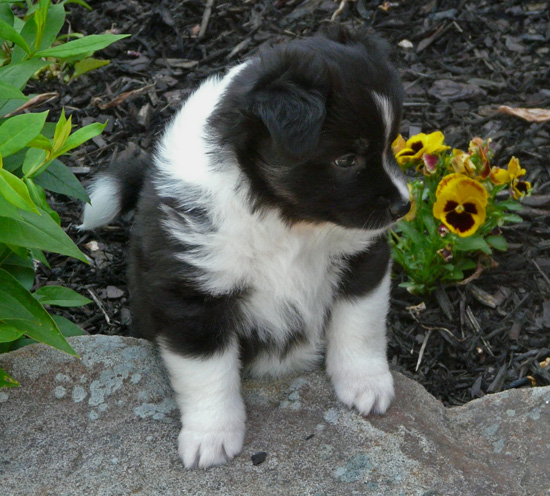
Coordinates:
x,y
104,203
398,179
183,153
290,272
385,108
356,351
207,391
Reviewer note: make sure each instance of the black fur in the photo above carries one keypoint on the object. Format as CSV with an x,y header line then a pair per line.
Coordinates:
x,y
295,111
365,270
288,115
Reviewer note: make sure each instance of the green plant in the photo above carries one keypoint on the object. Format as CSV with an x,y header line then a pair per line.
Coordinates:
x,y
459,203
30,149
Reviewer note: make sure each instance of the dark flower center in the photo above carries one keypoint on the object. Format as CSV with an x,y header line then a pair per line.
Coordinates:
x,y
470,208
450,206
417,146
521,186
461,222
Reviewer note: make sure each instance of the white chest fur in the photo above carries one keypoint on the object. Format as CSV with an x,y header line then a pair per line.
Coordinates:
x,y
288,274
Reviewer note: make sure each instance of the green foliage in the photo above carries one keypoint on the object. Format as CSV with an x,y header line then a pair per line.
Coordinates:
x,y
30,149
427,244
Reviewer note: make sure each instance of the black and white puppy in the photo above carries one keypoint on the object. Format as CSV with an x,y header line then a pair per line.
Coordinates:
x,y
259,238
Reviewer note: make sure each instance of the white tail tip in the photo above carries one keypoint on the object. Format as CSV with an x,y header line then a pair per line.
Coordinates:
x,y
104,204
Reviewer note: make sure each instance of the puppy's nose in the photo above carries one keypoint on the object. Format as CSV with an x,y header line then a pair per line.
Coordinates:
x,y
399,209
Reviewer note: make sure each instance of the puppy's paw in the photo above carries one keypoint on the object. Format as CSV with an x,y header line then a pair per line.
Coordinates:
x,y
203,449
367,393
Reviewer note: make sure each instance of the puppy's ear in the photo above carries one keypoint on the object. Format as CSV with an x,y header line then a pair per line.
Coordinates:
x,y
364,36
292,108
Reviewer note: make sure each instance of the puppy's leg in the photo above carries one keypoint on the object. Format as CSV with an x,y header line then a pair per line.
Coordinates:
x,y
207,391
356,350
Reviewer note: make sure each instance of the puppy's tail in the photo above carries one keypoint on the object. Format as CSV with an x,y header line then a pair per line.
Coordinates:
x,y
115,191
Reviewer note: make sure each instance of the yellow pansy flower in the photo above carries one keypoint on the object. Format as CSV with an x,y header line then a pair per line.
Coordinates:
x,y
419,145
460,204
518,188
461,162
499,176
514,169
398,144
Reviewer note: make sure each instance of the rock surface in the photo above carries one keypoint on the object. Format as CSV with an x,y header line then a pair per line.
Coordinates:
x,y
107,425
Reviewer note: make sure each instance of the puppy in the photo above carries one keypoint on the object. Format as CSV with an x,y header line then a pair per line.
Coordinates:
x,y
260,232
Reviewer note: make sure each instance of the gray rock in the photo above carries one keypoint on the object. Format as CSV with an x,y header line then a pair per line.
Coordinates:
x,y
107,425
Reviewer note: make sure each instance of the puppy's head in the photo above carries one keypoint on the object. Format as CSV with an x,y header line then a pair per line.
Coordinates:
x,y
312,124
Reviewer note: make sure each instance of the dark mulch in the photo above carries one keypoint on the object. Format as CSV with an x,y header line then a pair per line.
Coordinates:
x,y
467,58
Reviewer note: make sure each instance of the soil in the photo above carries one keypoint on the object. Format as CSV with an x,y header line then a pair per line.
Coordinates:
x,y
460,60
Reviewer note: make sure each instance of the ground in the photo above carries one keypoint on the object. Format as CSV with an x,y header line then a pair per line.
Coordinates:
x,y
459,60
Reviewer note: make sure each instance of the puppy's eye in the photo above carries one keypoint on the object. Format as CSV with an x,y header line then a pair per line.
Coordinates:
x,y
349,160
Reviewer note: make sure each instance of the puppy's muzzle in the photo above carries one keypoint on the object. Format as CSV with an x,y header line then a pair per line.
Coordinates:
x,y
399,208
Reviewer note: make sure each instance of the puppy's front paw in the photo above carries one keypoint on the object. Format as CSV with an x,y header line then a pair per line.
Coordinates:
x,y
203,449
367,393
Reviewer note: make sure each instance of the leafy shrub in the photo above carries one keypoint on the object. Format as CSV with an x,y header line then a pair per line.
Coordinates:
x,y
30,149
459,203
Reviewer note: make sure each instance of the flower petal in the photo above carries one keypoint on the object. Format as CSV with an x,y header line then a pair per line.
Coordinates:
x,y
520,189
430,162
500,176
448,180
434,142
398,145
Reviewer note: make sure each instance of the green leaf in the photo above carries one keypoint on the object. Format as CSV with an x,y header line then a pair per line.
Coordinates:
x,y
82,46
513,218
67,328
18,251
13,162
20,266
60,296
41,142
15,191
54,23
62,131
18,74
81,136
20,309
8,210
18,131
59,179
7,32
497,242
86,65
9,333
512,205
429,221
409,230
28,33
31,230
79,2
38,196
8,91
39,255
7,381
34,159
473,243
6,13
